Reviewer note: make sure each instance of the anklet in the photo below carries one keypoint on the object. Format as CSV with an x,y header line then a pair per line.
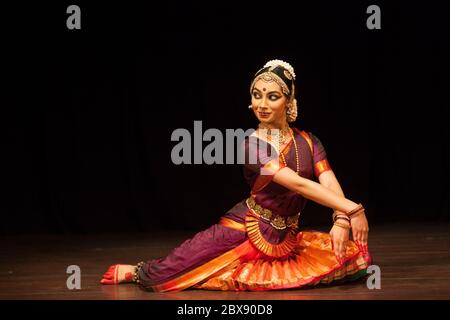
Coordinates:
x,y
136,272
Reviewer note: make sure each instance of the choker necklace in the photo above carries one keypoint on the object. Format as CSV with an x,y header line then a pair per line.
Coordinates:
x,y
281,135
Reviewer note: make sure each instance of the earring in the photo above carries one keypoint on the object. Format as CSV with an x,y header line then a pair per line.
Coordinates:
x,y
250,106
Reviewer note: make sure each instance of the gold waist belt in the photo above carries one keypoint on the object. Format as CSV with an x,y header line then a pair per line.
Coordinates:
x,y
278,222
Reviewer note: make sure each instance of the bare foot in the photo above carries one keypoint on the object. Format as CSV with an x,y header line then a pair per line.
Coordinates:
x,y
118,273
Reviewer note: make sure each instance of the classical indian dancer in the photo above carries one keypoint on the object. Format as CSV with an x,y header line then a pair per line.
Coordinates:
x,y
260,244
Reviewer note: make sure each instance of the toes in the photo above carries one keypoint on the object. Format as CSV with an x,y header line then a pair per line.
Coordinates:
x,y
106,281
107,276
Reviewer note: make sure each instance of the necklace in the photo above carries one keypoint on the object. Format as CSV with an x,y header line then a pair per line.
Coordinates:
x,y
281,134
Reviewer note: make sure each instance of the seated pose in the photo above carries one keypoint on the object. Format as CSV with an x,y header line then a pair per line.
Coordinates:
x,y
258,245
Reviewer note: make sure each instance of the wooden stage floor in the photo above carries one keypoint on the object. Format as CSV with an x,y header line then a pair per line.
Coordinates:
x,y
414,261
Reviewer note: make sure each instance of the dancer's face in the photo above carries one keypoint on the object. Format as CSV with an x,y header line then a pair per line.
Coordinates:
x,y
269,103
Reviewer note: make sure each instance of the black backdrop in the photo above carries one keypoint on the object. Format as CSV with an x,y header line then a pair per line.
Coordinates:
x,y
89,113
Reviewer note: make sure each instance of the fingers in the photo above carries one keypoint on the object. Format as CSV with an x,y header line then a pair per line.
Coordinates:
x,y
343,249
360,230
360,237
337,253
362,245
366,236
364,242
356,235
339,250
339,246
363,237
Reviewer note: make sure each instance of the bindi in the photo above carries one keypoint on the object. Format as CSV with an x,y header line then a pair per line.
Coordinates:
x,y
264,89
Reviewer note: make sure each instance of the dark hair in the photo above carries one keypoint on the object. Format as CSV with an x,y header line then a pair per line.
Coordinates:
x,y
283,74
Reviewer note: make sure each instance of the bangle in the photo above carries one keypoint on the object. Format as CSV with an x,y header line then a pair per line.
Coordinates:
x,y
136,272
342,225
334,215
343,218
357,214
358,208
340,216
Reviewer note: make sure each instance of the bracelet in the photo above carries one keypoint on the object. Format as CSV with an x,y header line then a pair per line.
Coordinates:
x,y
343,218
334,215
357,214
136,272
354,211
341,225
337,215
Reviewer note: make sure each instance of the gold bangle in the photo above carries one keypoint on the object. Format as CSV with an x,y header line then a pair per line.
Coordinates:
x,y
334,215
341,225
356,214
342,217
358,208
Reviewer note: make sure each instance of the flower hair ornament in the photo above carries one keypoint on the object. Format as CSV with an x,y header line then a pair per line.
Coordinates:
x,y
283,74
292,111
284,64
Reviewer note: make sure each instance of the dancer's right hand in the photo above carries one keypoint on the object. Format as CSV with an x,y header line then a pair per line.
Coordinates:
x,y
339,238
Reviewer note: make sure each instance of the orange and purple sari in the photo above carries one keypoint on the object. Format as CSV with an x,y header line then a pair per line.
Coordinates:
x,y
258,245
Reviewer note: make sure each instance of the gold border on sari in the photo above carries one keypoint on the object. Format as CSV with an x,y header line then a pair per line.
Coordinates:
x,y
321,166
204,271
276,221
257,239
230,223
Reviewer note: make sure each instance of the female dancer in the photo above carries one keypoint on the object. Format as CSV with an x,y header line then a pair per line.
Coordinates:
x,y
257,244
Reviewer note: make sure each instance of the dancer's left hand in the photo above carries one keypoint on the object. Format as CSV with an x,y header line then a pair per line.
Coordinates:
x,y
360,229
